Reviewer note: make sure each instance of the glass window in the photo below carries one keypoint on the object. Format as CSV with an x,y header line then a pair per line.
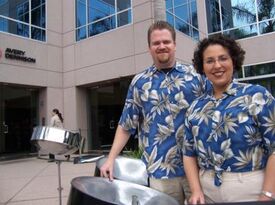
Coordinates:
x,y
264,74
98,9
80,13
182,14
102,26
266,9
213,16
4,24
81,33
38,16
182,26
123,4
267,26
21,20
261,69
242,32
38,34
22,12
102,16
237,13
240,19
124,18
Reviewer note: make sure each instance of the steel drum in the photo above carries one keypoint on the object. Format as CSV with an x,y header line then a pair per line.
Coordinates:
x,y
125,168
55,140
128,169
97,190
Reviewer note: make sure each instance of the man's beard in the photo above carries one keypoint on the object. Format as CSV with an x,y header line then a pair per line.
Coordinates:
x,y
163,58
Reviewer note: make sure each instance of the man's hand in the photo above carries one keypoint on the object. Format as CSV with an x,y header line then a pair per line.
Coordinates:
x,y
197,198
106,170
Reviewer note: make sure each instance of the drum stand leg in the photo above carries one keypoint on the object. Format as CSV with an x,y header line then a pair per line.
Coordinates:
x,y
58,162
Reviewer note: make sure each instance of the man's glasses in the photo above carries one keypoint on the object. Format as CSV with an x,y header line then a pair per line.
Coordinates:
x,y
220,59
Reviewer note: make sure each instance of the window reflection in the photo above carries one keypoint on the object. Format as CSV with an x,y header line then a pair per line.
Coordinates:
x,y
80,13
182,14
260,69
263,72
238,19
19,18
102,15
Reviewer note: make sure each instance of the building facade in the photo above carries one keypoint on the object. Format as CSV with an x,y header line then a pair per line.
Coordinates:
x,y
80,55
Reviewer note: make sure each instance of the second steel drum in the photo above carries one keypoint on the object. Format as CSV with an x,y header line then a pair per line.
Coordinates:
x,y
55,140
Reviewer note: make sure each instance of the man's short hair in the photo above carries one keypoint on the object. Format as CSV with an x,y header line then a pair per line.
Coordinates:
x,y
160,25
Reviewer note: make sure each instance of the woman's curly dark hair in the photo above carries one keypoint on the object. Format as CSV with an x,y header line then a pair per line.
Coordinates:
x,y
236,53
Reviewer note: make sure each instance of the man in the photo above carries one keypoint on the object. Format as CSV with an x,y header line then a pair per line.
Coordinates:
x,y
156,103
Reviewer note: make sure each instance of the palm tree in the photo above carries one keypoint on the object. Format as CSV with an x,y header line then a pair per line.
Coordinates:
x,y
159,10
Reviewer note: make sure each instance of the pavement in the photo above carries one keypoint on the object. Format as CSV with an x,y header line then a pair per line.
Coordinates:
x,y
34,180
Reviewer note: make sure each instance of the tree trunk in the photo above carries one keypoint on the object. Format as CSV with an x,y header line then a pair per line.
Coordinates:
x,y
159,10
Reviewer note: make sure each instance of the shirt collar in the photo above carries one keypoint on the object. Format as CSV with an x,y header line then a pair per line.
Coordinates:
x,y
230,90
177,67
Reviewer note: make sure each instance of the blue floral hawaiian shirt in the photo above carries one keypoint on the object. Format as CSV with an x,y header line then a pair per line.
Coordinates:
x,y
235,133
155,107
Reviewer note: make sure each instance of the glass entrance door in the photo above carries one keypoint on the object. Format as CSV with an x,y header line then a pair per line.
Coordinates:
x,y
18,115
105,104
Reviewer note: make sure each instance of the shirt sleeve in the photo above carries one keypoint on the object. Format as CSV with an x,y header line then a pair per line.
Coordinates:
x,y
129,119
188,148
52,122
266,120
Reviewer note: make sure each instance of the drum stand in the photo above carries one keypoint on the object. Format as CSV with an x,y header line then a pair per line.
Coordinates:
x,y
58,162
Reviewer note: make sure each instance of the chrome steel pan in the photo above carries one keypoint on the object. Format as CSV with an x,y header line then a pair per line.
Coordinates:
x,y
55,140
127,169
97,190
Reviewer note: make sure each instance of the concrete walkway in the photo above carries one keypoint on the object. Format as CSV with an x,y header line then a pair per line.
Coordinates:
x,y
34,181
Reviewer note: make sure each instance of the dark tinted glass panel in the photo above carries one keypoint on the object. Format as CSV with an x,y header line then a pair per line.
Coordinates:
x,y
105,106
238,74
194,14
22,12
3,24
195,34
102,26
36,3
182,26
123,4
267,26
213,16
266,9
15,9
123,18
262,69
81,33
80,13
21,29
38,16
98,9
38,34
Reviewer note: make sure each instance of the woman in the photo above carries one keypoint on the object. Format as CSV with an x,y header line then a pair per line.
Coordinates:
x,y
56,121
229,141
